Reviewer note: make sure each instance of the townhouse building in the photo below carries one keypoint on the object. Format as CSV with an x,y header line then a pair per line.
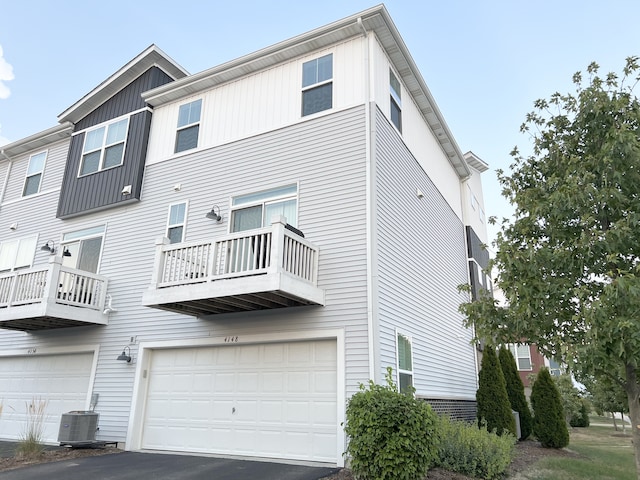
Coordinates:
x,y
215,262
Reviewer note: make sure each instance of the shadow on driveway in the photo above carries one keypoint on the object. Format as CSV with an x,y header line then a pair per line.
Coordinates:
x,y
137,466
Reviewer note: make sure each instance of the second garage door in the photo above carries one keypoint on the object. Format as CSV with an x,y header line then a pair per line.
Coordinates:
x,y
269,400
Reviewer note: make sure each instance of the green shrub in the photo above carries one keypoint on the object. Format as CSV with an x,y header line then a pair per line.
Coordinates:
x,y
392,435
549,424
494,408
515,391
467,449
582,419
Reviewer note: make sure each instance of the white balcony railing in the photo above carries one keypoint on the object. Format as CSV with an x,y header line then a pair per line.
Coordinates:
x,y
268,250
52,284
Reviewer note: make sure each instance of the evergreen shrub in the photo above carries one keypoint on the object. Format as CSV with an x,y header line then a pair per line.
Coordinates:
x,y
494,409
515,391
549,424
392,435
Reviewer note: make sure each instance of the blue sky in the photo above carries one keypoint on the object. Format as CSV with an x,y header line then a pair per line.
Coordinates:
x,y
485,62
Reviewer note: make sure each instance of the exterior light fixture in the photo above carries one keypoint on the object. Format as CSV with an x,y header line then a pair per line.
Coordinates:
x,y
125,356
49,247
213,215
66,252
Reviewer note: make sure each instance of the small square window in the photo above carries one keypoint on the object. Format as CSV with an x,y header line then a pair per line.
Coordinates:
x,y
317,85
188,126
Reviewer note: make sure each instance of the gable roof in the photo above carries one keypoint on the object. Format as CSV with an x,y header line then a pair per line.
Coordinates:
x,y
376,19
150,57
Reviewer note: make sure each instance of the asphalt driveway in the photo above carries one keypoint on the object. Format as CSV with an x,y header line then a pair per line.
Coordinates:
x,y
137,466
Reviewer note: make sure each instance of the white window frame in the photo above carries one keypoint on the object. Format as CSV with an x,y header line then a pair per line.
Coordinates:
x,y
25,248
182,224
31,174
395,99
186,126
401,371
77,236
317,84
265,198
513,348
104,146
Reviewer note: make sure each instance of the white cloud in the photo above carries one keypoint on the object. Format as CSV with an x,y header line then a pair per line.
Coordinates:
x,y
6,74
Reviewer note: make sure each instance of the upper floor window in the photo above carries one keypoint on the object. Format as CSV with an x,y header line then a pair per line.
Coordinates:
x,y
34,174
17,253
522,354
176,222
256,210
317,85
83,248
396,101
188,126
104,147
405,363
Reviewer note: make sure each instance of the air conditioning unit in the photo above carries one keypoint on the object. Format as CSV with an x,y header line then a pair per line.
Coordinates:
x,y
78,427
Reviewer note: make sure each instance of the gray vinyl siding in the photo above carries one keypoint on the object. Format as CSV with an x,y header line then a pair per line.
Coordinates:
x,y
325,155
129,99
104,188
421,260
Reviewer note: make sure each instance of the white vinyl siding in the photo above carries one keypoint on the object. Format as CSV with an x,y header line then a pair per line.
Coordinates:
x,y
421,261
262,102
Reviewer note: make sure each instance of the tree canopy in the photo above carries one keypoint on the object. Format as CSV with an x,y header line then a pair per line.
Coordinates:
x,y
568,261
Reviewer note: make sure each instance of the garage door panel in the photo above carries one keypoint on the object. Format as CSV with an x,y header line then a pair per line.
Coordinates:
x,y
60,381
271,400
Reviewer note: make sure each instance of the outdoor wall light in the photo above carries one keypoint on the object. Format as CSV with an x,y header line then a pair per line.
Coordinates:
x,y
49,247
213,215
66,252
125,356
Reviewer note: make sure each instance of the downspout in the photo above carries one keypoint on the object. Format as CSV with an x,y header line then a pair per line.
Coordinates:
x,y
372,278
6,179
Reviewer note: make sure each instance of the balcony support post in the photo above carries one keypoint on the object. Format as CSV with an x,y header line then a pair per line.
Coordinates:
x,y
156,277
53,280
278,223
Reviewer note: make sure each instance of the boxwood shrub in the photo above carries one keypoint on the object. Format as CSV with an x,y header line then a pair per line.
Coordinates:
x,y
392,435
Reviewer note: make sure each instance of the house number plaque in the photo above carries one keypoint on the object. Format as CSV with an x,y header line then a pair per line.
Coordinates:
x,y
231,339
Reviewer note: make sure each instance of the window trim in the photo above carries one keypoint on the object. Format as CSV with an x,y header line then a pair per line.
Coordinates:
x,y
513,348
104,146
265,200
313,86
31,238
395,99
180,128
40,172
86,233
174,225
400,371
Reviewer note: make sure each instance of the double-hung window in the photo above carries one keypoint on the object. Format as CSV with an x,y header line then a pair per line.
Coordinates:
x,y
256,210
17,253
396,101
34,174
522,354
104,147
176,222
83,248
188,126
405,363
317,85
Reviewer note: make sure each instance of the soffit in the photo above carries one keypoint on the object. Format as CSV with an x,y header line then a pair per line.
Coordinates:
x,y
37,141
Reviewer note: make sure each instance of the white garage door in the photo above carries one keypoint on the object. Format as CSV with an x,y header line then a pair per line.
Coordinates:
x,y
59,383
268,400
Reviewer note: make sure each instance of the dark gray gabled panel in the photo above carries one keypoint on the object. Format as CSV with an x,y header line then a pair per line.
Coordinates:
x,y
104,188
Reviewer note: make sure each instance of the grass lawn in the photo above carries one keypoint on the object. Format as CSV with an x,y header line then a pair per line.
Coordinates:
x,y
602,452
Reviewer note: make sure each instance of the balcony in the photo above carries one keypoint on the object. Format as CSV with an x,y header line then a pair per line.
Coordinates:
x,y
51,296
271,267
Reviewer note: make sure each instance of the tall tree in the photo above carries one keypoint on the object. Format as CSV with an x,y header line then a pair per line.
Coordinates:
x,y
492,399
515,390
569,259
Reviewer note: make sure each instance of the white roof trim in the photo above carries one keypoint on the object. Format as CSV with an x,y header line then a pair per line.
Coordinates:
x,y
36,141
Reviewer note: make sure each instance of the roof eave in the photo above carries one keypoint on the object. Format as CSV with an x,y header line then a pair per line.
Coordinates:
x,y
150,57
37,141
